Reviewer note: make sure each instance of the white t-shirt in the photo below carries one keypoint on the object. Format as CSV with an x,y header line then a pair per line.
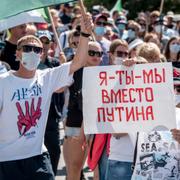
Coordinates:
x,y
24,107
122,149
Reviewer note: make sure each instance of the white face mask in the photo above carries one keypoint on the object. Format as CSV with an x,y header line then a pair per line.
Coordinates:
x,y
177,99
131,34
30,60
174,48
118,60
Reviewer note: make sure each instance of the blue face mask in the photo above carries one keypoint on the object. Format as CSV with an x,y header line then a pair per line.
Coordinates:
x,y
174,48
121,26
131,34
100,31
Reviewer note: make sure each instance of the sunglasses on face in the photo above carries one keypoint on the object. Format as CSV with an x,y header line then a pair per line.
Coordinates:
x,y
29,48
95,53
121,53
101,23
46,42
177,88
75,44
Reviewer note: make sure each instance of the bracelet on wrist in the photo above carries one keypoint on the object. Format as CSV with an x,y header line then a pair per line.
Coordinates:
x,y
85,34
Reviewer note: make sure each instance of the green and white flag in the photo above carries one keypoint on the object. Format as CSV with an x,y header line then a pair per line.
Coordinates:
x,y
117,7
12,7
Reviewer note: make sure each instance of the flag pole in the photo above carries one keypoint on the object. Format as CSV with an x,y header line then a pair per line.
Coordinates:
x,y
54,31
161,6
83,11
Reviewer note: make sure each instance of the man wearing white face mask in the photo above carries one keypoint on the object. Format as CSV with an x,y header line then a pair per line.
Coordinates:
x,y
100,24
24,103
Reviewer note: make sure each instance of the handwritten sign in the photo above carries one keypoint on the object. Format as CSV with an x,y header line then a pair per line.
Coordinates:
x,y
121,99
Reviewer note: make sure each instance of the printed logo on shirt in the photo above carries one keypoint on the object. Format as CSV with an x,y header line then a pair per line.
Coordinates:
x,y
25,93
30,117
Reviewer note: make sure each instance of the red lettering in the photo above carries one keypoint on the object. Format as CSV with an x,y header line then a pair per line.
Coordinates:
x,y
130,114
115,96
129,78
132,100
124,96
149,94
119,109
140,113
148,76
140,91
120,73
110,114
149,112
101,114
103,77
159,78
105,97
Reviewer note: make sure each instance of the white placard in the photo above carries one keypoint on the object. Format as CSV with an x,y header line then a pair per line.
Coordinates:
x,y
128,99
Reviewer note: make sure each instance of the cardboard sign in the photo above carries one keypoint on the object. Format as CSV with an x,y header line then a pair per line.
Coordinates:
x,y
128,99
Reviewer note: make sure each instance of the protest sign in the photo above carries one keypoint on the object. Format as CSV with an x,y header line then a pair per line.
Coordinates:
x,y
158,157
120,99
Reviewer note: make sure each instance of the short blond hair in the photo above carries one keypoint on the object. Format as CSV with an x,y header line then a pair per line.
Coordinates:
x,y
26,39
150,51
116,43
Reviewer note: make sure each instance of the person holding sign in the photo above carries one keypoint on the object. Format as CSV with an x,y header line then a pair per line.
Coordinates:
x,y
157,151
121,144
25,97
74,154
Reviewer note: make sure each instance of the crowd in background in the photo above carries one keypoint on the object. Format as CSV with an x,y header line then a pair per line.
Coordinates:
x,y
148,38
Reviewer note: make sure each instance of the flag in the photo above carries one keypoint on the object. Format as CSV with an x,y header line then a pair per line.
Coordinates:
x,y
44,13
117,7
13,7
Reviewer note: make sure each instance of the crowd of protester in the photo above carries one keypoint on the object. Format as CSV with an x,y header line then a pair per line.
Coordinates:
x,y
116,40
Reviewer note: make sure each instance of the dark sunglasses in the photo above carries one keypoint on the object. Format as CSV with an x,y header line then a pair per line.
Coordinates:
x,y
178,90
121,54
29,48
95,53
46,42
75,43
101,23
177,87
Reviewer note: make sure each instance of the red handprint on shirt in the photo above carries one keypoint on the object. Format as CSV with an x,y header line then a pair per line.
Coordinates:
x,y
29,119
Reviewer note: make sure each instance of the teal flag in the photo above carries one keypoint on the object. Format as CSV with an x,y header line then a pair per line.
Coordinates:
x,y
13,7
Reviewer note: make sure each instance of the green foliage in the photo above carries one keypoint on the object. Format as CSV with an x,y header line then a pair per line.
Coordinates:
x,y
135,6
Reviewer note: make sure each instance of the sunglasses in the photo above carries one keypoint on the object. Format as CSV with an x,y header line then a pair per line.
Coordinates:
x,y
29,48
46,42
121,53
95,53
75,44
101,23
178,90
177,87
